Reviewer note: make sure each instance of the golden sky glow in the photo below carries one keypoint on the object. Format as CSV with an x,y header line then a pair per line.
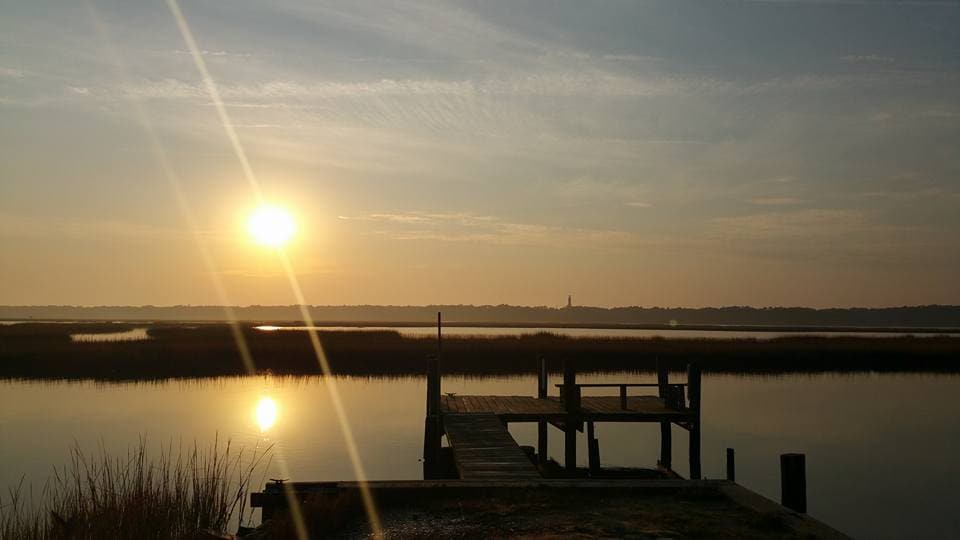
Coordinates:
x,y
640,153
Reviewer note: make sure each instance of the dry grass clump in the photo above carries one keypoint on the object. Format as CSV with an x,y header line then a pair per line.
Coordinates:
x,y
175,495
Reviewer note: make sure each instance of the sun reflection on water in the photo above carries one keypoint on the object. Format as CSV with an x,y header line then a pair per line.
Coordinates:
x,y
266,413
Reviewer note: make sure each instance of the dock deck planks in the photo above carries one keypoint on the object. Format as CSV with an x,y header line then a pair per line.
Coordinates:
x,y
531,409
484,449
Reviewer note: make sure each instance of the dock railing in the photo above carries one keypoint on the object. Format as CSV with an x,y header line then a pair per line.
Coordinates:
x,y
675,396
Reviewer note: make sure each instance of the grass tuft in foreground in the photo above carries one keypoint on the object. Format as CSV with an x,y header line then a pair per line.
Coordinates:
x,y
174,495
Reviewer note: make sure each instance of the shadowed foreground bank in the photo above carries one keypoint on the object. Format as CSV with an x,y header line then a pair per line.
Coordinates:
x,y
613,509
46,351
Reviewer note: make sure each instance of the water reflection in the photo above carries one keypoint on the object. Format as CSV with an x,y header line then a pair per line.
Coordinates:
x,y
266,413
136,334
854,428
674,332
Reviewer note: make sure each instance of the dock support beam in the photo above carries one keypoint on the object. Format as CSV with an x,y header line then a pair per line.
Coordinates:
x,y
793,482
571,401
666,434
542,382
593,449
693,386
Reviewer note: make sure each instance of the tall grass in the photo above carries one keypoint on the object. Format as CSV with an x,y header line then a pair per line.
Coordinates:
x,y
37,351
100,496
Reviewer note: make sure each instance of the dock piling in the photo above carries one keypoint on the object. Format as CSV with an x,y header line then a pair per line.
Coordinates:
x,y
793,482
666,432
593,449
542,382
693,387
571,402
731,466
432,428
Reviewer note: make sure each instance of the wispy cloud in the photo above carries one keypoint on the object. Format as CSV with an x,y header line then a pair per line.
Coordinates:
x,y
11,73
867,59
775,201
468,227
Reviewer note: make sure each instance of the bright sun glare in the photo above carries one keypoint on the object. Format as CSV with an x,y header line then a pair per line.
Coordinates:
x,y
266,413
271,226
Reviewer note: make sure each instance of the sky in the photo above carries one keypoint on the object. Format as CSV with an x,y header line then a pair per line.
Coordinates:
x,y
653,153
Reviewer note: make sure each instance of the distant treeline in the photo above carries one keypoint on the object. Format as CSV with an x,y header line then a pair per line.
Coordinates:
x,y
934,316
46,351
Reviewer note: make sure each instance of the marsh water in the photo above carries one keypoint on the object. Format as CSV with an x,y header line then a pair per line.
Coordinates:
x,y
137,334
881,449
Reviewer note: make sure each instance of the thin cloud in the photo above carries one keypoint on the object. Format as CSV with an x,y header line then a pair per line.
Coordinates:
x,y
775,201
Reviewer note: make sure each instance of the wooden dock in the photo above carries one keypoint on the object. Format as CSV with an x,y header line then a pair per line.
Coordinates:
x,y
484,468
472,422
484,449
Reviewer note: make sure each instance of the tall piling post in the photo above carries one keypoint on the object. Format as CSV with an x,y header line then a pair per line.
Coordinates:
x,y
731,466
693,387
666,431
793,482
571,402
542,382
433,427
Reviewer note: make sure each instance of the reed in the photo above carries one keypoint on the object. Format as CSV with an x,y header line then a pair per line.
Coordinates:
x,y
177,494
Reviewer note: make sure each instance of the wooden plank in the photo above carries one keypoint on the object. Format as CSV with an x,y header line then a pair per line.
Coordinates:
x,y
597,408
483,448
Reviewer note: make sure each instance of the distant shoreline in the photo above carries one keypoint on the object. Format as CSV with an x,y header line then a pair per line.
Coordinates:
x,y
532,325
926,319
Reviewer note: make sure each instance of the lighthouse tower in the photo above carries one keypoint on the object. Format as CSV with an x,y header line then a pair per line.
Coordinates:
x,y
569,300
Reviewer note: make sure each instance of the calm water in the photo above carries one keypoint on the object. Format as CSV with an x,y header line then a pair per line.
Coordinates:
x,y
593,332
881,449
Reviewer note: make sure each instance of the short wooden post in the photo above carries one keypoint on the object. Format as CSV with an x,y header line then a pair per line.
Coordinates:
x,y
542,382
666,435
623,396
571,401
693,385
593,449
793,482
571,392
731,466
543,378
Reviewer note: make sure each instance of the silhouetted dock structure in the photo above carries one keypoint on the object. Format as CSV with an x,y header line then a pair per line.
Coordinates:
x,y
483,466
481,445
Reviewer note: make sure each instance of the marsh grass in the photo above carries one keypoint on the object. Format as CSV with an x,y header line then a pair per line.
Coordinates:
x,y
99,496
42,351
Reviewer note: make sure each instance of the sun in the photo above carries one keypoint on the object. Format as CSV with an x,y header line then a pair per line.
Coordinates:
x,y
271,226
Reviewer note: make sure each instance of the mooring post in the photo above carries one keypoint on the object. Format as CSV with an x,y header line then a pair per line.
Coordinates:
x,y
593,449
542,382
666,434
793,482
571,401
693,386
731,466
